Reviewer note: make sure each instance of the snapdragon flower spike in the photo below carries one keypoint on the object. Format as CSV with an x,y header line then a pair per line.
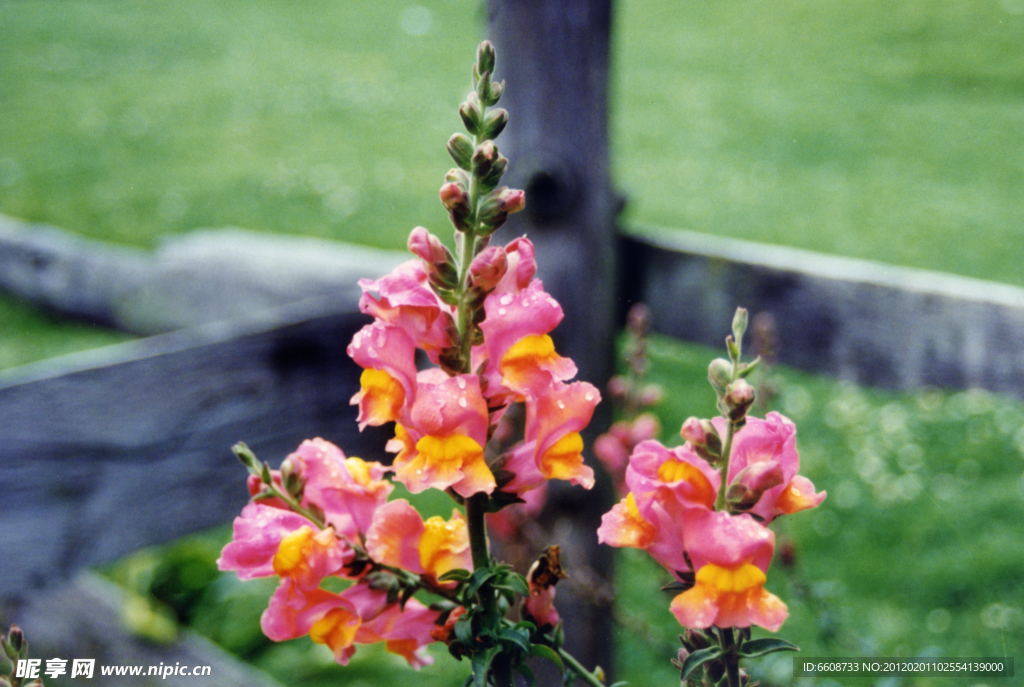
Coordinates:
x,y
771,441
441,442
730,556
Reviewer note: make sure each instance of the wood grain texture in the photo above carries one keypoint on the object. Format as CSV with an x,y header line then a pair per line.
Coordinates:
x,y
874,324
553,57
128,446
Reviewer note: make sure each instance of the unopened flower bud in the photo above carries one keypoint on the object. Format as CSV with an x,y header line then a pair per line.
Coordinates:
x,y
651,394
485,155
461,150
485,57
428,247
693,431
454,196
752,482
696,639
494,123
645,426
638,320
618,387
720,373
470,111
739,323
497,206
739,396
488,268
681,657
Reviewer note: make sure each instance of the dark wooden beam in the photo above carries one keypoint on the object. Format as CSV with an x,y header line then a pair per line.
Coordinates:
x,y
128,446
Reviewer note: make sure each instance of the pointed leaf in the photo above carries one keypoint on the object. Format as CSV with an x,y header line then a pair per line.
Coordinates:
x,y
510,636
479,577
768,645
458,574
544,651
697,659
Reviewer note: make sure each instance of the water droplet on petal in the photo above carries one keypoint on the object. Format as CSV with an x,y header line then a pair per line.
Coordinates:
x,y
462,402
588,396
502,311
561,405
372,352
461,382
506,299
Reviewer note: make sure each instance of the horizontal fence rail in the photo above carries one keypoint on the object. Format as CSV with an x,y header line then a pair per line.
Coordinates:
x,y
122,447
871,323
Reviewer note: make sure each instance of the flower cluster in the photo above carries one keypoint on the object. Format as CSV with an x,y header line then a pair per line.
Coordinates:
x,y
482,322
325,515
701,510
443,420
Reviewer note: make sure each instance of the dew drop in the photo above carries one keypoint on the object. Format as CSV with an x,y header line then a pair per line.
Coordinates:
x,y
502,311
561,405
372,352
462,402
506,299
588,396
461,382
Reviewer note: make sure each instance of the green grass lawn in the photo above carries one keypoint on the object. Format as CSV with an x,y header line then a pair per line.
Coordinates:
x,y
884,130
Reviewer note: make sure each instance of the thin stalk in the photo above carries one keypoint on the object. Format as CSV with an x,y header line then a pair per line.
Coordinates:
x,y
578,668
730,431
476,507
732,661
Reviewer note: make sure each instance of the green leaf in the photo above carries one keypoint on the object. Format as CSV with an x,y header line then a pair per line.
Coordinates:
x,y
527,673
768,645
481,665
458,574
510,636
697,659
544,651
479,577
620,684
515,582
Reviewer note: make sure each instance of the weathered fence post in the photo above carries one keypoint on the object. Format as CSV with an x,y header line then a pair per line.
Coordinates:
x,y
553,56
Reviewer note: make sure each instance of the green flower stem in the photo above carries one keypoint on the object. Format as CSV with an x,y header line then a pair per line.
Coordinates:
x,y
730,431
732,661
476,507
578,668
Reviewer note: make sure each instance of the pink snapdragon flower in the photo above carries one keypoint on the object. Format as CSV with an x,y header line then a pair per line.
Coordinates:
x,y
399,537
553,446
347,490
730,556
771,442
357,615
441,443
271,541
407,301
667,486
388,382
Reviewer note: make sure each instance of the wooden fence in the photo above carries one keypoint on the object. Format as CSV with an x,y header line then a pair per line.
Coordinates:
x,y
110,450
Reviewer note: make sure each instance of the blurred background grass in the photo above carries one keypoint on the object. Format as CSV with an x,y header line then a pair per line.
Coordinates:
x,y
886,130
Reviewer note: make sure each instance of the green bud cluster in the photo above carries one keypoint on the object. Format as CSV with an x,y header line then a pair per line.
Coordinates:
x,y
15,648
471,193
